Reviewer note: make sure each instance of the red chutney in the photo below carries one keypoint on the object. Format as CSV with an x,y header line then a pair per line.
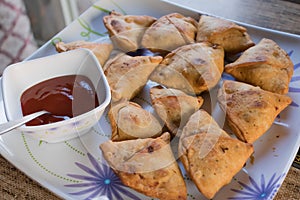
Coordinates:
x,y
64,97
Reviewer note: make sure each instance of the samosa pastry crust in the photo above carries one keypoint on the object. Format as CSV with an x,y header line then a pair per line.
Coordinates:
x,y
211,171
127,75
126,31
169,32
199,122
147,166
173,106
265,65
130,121
202,122
232,37
192,68
250,111
101,50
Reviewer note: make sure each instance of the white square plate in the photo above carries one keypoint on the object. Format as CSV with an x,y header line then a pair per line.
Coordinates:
x,y
74,169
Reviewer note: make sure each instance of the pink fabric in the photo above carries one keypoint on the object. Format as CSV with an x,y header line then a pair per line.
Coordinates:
x,y
16,38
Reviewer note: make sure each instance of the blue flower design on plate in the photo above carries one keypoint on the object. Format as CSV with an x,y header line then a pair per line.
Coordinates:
x,y
226,76
294,79
100,181
258,192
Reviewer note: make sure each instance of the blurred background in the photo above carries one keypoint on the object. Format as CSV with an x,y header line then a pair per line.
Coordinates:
x,y
25,25
58,13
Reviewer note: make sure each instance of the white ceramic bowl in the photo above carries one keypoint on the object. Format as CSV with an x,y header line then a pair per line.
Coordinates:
x,y
20,76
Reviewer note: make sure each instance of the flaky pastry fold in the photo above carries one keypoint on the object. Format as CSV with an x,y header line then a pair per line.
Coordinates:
x,y
232,37
265,65
173,106
147,166
127,75
130,121
170,32
250,111
101,50
209,155
126,31
192,68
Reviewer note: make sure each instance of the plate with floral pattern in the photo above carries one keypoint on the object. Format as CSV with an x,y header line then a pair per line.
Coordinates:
x,y
75,169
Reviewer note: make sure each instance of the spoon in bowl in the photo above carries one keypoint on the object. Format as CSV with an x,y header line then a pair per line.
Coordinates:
x,y
8,126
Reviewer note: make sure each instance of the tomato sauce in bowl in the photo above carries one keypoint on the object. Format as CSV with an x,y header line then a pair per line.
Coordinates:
x,y
63,97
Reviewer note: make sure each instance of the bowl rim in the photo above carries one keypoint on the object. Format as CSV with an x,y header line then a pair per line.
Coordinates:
x,y
53,125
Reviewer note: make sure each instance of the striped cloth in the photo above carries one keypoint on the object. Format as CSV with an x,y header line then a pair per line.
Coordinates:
x,y
16,38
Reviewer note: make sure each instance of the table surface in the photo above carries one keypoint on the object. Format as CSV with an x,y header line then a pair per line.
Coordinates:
x,y
282,15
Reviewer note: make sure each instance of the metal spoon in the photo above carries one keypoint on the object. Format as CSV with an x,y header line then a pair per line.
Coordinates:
x,y
8,126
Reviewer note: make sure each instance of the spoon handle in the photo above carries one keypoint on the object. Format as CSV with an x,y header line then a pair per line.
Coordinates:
x,y
8,126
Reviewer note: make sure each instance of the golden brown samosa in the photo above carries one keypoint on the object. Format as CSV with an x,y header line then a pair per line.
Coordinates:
x,y
170,32
101,50
202,122
173,106
265,65
250,111
232,37
126,31
199,122
224,157
192,68
130,121
127,75
209,155
147,166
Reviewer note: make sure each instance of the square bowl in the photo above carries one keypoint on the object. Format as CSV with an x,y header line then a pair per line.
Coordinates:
x,y
18,77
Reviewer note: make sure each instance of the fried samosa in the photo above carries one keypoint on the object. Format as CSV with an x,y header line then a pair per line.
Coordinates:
x,y
232,37
199,122
192,68
209,155
127,75
126,31
250,111
265,65
101,50
169,32
130,121
211,171
202,122
147,166
173,106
